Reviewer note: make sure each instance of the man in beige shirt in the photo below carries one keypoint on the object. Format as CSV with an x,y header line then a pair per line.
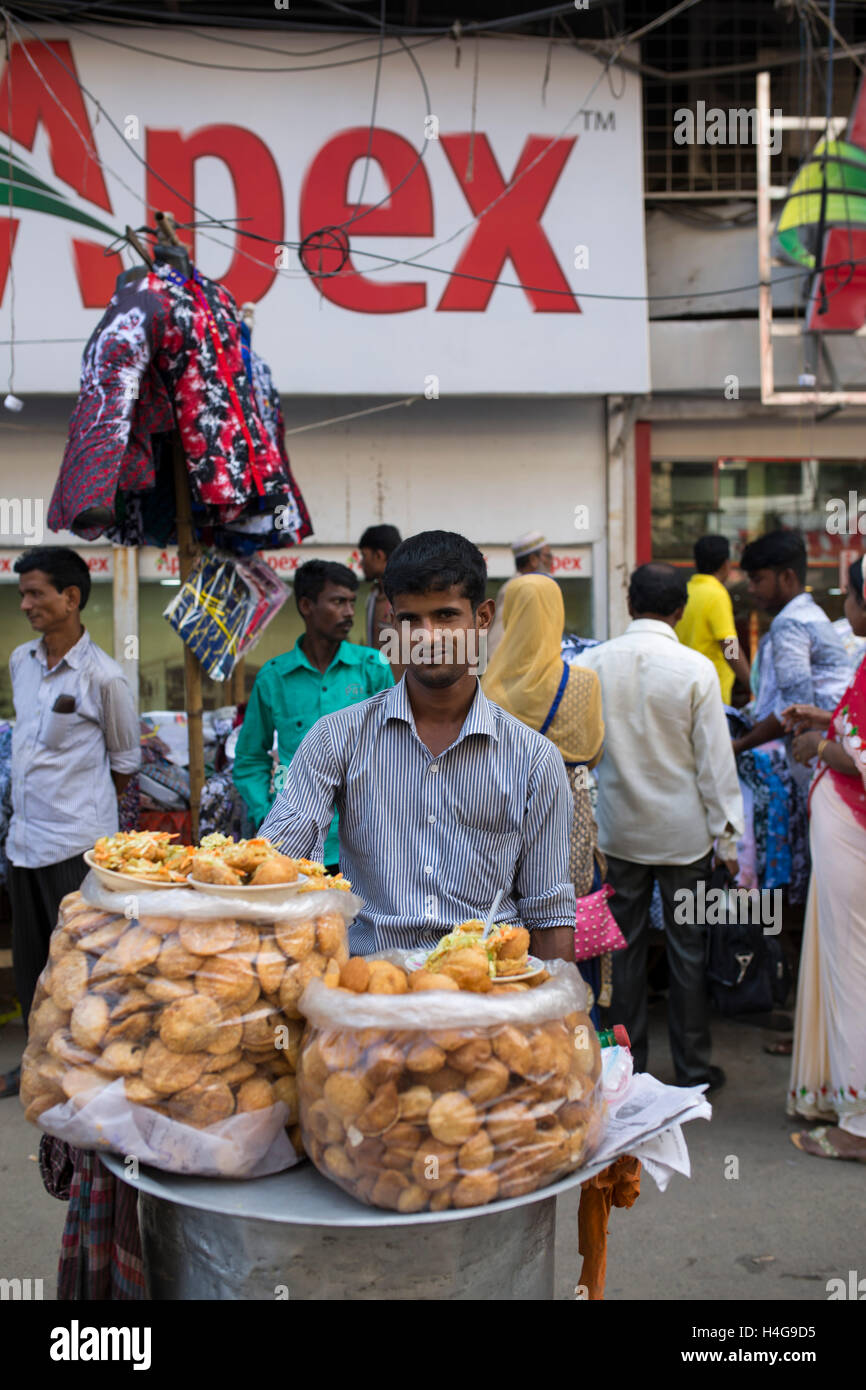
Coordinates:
x,y
667,790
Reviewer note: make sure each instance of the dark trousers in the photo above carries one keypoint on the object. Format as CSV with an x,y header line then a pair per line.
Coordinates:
x,y
35,896
688,1003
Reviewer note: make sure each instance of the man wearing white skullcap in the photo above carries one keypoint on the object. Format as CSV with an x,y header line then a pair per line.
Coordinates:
x,y
532,555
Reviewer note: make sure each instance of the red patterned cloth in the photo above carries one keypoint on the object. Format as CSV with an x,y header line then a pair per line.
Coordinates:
x,y
168,347
100,1253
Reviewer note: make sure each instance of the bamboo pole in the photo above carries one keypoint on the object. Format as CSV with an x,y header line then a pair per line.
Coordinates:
x,y
187,553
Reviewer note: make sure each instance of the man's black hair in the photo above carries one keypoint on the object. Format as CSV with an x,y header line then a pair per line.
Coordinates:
x,y
311,578
64,567
711,552
855,581
657,588
777,550
435,560
385,538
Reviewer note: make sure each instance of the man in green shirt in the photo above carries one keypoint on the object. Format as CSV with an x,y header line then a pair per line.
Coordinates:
x,y
321,674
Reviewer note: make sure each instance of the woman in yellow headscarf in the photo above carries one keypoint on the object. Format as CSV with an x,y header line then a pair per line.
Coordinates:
x,y
528,677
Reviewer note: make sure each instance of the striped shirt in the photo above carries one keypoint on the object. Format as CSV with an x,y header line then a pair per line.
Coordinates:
x,y
428,841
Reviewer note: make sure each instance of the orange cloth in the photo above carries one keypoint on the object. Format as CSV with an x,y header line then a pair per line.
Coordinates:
x,y
619,1186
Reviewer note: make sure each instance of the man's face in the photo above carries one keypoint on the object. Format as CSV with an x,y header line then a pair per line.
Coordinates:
x,y
42,604
373,562
439,633
855,612
767,590
330,615
541,562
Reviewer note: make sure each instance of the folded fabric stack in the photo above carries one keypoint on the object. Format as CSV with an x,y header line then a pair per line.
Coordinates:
x,y
170,350
223,608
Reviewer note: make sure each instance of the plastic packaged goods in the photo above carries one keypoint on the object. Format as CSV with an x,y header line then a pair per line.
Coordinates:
x,y
436,1098
166,1026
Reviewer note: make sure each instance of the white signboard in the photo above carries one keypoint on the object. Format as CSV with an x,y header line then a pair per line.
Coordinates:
x,y
408,215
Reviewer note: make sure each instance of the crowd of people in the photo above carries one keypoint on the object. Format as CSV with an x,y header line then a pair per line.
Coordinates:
x,y
436,780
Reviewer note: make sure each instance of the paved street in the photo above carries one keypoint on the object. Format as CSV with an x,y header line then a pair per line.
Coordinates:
x,y
779,1231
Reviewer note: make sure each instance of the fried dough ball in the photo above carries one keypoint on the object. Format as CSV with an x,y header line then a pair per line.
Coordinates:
x,y
253,995
136,950
572,1114
229,1032
518,1176
386,978
68,980
174,961
226,979
285,1088
277,869
190,1024
270,964
132,1003
339,1049
296,979
166,1071
82,1081
510,1123
477,1152
338,1162
330,932
331,977
224,1061
586,1059
400,1145
347,1094
446,1079
453,1118
288,1045
366,1154
259,1028
121,1058
207,938
383,1062
470,1055
441,1200
515,947
239,1071
131,1029
324,1123
451,1038
99,940
355,974
511,989
476,1189
46,1019
415,1103
413,1198
390,1186
42,1101
138,1091
468,967
159,990
295,939
60,944
210,868
430,979
89,1021
255,1094
205,1103
381,1112
61,1046
425,1057
313,1067
512,1047
434,1165
545,1057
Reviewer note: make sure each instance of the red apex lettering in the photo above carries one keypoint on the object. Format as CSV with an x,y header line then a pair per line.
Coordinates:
x,y
258,194
511,229
408,212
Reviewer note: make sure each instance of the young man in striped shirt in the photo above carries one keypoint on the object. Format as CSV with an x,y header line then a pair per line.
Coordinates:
x,y
443,798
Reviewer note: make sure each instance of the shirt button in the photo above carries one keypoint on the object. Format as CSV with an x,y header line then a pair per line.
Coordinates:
x,y
428,868
432,820
434,767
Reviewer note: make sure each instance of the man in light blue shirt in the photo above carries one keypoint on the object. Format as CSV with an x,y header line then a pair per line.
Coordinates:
x,y
443,797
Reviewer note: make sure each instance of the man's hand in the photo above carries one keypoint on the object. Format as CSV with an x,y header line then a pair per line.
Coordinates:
x,y
805,746
797,718
554,943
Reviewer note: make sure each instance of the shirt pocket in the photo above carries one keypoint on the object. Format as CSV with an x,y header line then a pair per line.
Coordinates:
x,y
57,727
487,860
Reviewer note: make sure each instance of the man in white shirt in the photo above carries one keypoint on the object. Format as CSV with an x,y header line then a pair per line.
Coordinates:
x,y
667,789
75,745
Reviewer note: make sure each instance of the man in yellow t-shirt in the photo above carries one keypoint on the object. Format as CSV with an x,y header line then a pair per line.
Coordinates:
x,y
707,625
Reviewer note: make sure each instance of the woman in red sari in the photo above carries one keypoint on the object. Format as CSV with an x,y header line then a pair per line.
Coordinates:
x,y
828,1073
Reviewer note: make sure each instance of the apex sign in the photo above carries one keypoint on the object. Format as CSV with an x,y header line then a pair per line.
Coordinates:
x,y
405,236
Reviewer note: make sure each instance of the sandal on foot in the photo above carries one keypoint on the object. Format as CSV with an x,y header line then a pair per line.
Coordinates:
x,y
821,1145
782,1048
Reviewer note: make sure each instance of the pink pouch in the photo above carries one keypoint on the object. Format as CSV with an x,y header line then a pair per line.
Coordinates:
x,y
596,931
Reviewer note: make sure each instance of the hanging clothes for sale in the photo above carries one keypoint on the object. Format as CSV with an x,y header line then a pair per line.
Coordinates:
x,y
168,350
